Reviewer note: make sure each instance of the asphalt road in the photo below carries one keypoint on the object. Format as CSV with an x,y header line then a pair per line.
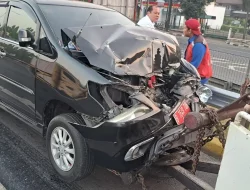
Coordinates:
x,y
229,62
220,45
24,165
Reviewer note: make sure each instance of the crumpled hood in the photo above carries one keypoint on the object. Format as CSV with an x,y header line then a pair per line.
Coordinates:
x,y
126,50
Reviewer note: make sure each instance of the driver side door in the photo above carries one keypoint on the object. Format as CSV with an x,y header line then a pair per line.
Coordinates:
x,y
18,64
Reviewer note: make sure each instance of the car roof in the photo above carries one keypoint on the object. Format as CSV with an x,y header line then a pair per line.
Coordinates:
x,y
73,3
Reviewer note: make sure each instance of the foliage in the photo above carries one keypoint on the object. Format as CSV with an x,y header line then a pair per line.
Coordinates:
x,y
228,20
242,22
194,8
12,32
234,28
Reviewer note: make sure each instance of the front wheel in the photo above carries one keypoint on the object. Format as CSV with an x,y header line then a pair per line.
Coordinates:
x,y
68,150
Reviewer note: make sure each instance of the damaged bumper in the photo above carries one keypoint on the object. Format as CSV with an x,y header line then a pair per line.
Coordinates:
x,y
135,137
115,144
134,129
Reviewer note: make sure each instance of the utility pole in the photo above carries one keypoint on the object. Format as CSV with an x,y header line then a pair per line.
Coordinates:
x,y
245,27
168,16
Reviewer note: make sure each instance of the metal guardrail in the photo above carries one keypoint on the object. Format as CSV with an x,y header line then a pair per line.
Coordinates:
x,y
221,97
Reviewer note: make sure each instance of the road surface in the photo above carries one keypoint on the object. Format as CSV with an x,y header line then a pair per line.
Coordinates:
x,y
220,45
24,165
229,62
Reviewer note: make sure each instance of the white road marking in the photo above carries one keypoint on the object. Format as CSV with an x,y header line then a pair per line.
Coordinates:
x,y
220,62
228,68
238,64
231,67
220,59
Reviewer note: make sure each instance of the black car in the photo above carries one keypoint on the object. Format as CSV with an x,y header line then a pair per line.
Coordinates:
x,y
99,88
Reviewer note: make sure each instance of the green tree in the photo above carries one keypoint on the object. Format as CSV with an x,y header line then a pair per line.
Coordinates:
x,y
12,32
194,8
246,7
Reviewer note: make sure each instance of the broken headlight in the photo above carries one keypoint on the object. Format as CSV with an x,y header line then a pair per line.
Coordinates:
x,y
131,113
204,94
122,103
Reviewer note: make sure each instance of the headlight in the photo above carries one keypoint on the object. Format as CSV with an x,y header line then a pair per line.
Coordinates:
x,y
204,94
131,114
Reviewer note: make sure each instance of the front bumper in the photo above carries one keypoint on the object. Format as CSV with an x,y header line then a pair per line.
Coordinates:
x,y
115,144
110,142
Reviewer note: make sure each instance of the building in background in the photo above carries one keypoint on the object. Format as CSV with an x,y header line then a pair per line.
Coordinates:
x,y
230,5
218,12
176,19
136,9
126,7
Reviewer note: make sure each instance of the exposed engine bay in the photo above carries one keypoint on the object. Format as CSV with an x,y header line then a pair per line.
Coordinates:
x,y
164,90
148,64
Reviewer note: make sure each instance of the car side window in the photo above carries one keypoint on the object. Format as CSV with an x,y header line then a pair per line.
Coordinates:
x,y
3,11
19,19
44,45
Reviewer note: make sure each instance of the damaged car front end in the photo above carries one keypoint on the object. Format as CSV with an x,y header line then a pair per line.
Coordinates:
x,y
150,91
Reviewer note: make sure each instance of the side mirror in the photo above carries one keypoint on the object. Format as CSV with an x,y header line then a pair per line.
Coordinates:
x,y
25,38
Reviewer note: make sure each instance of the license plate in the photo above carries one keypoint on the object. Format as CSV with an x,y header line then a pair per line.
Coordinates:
x,y
181,112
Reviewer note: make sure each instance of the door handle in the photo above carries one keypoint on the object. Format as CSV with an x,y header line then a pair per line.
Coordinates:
x,y
2,54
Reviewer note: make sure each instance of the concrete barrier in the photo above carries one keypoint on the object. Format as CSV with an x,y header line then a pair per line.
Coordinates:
x,y
238,42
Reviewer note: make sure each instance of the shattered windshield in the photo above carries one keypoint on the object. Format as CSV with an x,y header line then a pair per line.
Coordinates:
x,y
60,17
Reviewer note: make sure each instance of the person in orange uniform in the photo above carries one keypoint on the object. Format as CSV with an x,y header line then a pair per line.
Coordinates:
x,y
197,51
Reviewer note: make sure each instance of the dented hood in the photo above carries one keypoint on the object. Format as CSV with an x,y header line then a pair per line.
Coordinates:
x,y
126,50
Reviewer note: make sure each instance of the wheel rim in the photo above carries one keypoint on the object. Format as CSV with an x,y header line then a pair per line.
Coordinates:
x,y
62,148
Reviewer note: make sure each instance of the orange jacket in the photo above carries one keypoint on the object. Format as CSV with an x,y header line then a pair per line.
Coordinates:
x,y
205,68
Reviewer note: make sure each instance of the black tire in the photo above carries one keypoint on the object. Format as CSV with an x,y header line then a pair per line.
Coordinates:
x,y
84,161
